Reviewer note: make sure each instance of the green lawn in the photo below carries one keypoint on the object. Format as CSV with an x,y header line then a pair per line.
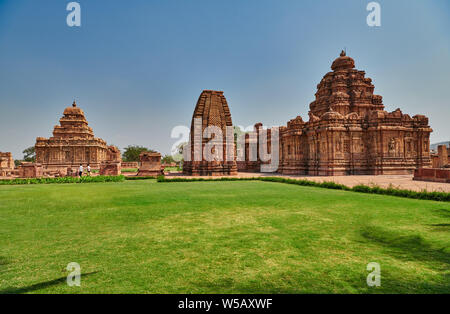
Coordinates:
x,y
219,237
130,170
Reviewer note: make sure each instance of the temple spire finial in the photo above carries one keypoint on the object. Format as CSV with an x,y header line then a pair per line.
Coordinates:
x,y
74,104
343,53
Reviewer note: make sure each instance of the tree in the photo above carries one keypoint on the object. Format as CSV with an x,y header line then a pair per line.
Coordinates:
x,y
29,154
132,152
167,159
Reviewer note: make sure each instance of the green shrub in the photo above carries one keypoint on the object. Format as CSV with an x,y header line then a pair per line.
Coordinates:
x,y
172,169
424,195
362,188
85,179
161,178
134,178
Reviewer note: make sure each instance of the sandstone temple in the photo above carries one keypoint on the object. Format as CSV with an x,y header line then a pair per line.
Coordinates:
x,y
6,164
348,132
73,143
211,110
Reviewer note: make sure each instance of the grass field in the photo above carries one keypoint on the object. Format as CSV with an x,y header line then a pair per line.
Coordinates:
x,y
219,237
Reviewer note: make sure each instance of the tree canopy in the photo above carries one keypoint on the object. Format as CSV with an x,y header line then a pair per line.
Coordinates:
x,y
132,152
29,154
167,159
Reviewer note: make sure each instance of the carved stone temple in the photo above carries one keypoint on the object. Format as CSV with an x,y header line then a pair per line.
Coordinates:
x,y
211,110
73,143
6,164
349,132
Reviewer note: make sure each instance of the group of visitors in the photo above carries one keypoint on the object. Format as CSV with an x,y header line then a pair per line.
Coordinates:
x,y
81,169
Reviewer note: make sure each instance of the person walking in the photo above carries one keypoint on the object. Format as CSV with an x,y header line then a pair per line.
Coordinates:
x,y
89,170
80,170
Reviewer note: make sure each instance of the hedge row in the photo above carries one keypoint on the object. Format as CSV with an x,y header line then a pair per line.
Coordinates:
x,y
423,195
85,179
133,178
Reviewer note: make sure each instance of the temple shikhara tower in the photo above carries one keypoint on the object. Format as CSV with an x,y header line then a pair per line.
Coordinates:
x,y
349,132
211,110
73,143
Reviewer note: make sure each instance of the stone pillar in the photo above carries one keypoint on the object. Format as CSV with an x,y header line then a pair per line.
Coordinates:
x,y
443,155
434,161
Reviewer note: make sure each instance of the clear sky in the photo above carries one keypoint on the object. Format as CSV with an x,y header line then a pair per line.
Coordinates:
x,y
137,67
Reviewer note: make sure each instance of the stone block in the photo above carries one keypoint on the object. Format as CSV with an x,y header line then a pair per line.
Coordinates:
x,y
110,168
150,164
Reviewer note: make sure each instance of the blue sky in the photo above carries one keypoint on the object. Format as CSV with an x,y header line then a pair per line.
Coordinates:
x,y
137,67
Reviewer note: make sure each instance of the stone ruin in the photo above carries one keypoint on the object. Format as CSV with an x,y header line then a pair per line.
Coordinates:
x,y
110,168
441,168
212,110
6,164
253,162
349,132
150,164
73,143
30,170
441,158
112,165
